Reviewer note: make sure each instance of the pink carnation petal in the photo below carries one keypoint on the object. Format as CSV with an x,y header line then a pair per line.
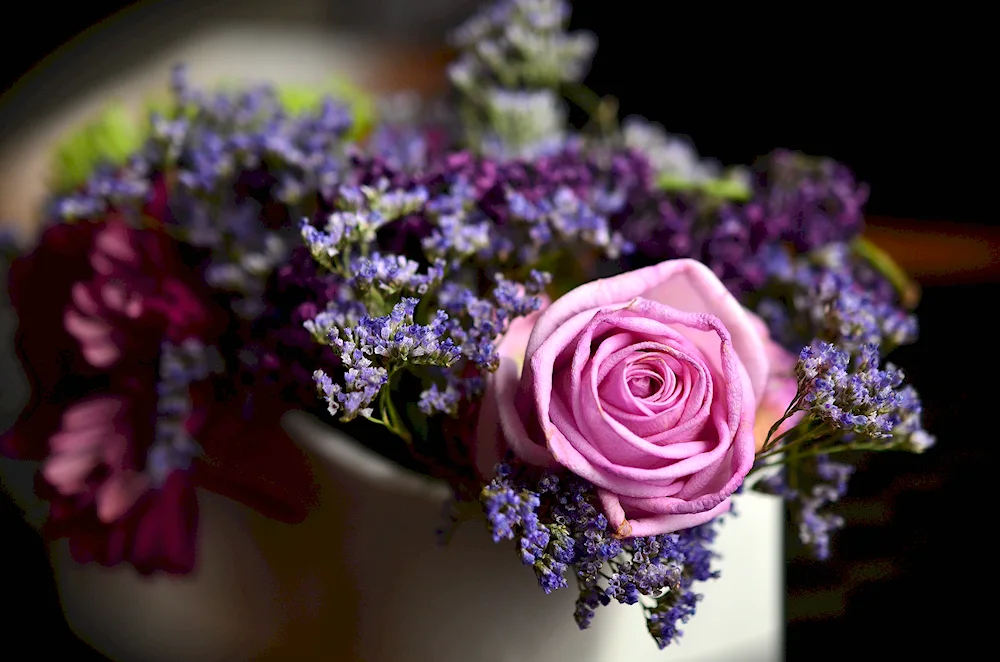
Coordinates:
x,y
67,472
118,494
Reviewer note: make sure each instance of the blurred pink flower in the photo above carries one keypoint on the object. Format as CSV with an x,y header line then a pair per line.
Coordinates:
x,y
96,302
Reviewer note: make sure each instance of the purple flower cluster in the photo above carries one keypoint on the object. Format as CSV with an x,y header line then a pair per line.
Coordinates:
x,y
832,295
217,136
362,212
180,366
390,274
457,389
377,347
558,528
809,202
854,395
820,482
480,321
808,207
107,188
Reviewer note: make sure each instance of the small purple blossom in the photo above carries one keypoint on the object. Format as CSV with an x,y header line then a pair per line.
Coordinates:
x,y
853,394
434,399
834,296
571,534
180,366
395,339
390,274
822,482
809,201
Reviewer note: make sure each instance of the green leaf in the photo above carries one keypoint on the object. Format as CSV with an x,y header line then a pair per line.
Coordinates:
x,y
110,139
674,184
728,189
882,262
298,99
725,188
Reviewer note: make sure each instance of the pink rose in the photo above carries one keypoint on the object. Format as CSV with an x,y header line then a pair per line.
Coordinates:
x,y
94,301
646,385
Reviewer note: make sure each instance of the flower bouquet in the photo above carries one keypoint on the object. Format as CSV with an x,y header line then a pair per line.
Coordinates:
x,y
591,335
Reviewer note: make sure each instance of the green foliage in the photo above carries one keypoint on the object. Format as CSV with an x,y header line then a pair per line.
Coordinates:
x,y
108,139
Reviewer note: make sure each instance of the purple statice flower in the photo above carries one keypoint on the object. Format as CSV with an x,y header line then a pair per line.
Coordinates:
x,y
243,250
363,211
909,431
809,202
852,393
180,366
821,482
107,188
832,295
662,621
287,342
566,218
558,528
363,382
373,349
476,322
208,166
391,274
394,339
342,311
447,400
219,135
852,315
456,238
402,148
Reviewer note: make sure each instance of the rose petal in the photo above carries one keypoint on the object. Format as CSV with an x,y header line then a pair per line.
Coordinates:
x,y
685,285
506,381
650,525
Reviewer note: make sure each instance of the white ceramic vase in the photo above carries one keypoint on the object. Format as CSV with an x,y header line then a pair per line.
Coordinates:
x,y
364,579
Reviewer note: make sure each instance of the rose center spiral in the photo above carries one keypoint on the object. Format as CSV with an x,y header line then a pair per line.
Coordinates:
x,y
648,378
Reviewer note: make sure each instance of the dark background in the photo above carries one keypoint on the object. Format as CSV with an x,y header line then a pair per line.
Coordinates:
x,y
900,100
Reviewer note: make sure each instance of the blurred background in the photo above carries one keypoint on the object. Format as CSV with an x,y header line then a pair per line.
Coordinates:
x,y
897,99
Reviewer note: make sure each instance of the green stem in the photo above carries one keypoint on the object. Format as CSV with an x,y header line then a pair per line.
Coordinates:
x,y
792,407
390,416
907,288
602,110
814,431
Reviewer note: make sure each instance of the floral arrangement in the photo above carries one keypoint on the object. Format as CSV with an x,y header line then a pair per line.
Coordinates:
x,y
593,333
